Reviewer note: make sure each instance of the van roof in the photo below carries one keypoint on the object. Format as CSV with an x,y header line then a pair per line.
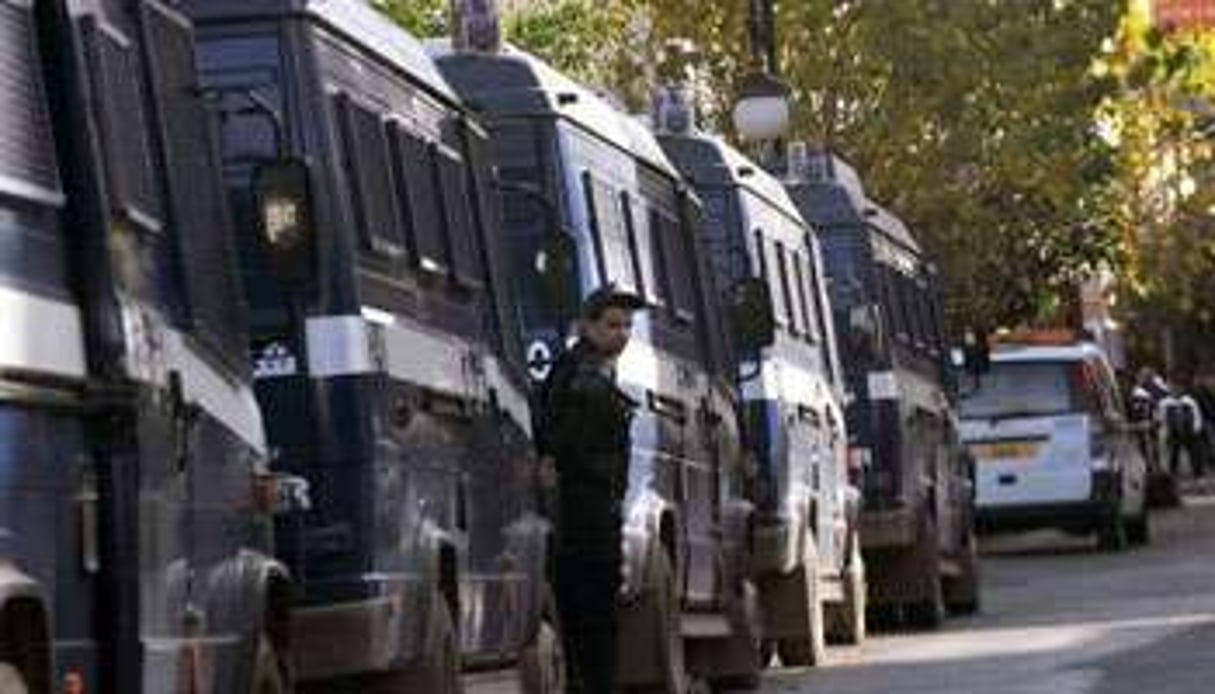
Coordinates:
x,y
707,159
356,21
515,82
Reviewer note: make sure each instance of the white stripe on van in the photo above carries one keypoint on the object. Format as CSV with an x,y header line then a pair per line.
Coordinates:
x,y
40,334
379,342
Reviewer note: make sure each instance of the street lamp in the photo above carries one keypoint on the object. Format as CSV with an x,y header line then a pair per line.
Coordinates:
x,y
762,110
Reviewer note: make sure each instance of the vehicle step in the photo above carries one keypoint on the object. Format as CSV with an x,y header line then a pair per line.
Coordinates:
x,y
951,568
705,626
495,682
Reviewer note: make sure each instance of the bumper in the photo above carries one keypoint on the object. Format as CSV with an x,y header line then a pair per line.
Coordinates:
x,y
774,548
888,528
1080,515
346,638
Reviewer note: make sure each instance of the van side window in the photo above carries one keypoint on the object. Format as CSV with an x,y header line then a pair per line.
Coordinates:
x,y
792,318
818,316
365,157
607,226
780,307
116,88
24,119
799,281
463,251
419,198
643,268
677,260
890,301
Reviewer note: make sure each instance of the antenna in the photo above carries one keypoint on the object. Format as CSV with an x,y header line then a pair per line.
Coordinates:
x,y
476,26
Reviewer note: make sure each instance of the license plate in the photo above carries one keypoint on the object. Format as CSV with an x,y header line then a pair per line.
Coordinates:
x,y
1004,450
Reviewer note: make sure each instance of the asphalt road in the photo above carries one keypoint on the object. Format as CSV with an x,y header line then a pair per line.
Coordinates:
x,y
1058,617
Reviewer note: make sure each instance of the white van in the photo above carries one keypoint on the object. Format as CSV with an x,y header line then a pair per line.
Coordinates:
x,y
1051,444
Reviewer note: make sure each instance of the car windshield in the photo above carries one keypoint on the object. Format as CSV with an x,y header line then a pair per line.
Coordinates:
x,y
1022,389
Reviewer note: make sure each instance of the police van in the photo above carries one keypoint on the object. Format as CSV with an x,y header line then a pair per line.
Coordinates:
x,y
806,550
135,496
917,493
590,198
1051,441
384,349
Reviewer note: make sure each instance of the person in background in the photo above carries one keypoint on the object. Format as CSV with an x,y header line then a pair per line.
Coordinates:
x,y
582,435
1184,431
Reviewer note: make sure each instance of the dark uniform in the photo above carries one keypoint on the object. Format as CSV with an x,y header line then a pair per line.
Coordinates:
x,y
583,423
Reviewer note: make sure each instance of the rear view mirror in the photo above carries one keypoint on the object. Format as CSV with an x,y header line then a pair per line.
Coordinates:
x,y
865,330
285,223
751,318
555,263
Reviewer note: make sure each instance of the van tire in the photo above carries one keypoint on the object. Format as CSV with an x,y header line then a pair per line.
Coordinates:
x,y
1138,529
848,624
962,591
267,670
11,681
809,649
542,665
667,638
1111,534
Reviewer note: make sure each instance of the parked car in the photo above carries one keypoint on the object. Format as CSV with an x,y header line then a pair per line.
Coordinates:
x,y
590,198
917,532
806,554
135,499
1052,443
385,352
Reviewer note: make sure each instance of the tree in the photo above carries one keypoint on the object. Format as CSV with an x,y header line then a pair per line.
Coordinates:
x,y
1160,122
583,38
971,121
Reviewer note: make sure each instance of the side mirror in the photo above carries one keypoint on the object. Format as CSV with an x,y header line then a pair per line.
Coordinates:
x,y
556,265
865,329
285,223
751,317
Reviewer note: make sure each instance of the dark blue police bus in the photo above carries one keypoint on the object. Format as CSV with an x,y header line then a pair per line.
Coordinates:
x,y
385,354
806,556
917,488
590,198
134,540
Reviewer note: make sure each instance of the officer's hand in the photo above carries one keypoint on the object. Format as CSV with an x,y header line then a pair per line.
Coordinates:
x,y
547,471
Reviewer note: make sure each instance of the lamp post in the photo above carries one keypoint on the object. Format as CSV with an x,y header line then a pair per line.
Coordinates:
x,y
761,113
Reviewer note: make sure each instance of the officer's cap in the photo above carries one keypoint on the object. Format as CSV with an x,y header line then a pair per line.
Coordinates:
x,y
610,296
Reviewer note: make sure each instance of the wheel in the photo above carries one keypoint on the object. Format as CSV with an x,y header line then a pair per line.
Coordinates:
x,y
441,674
666,637
927,613
542,663
927,610
743,658
11,681
810,648
848,624
1138,529
1111,535
962,592
267,670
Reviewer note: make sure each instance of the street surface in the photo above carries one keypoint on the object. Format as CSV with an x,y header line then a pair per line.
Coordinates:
x,y
1059,617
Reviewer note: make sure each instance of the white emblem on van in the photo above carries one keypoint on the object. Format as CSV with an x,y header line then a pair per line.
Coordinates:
x,y
274,360
539,360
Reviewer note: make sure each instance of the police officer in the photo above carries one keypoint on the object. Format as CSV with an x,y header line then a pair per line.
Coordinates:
x,y
582,430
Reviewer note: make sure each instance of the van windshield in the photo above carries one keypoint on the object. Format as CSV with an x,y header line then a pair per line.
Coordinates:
x,y
1027,389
